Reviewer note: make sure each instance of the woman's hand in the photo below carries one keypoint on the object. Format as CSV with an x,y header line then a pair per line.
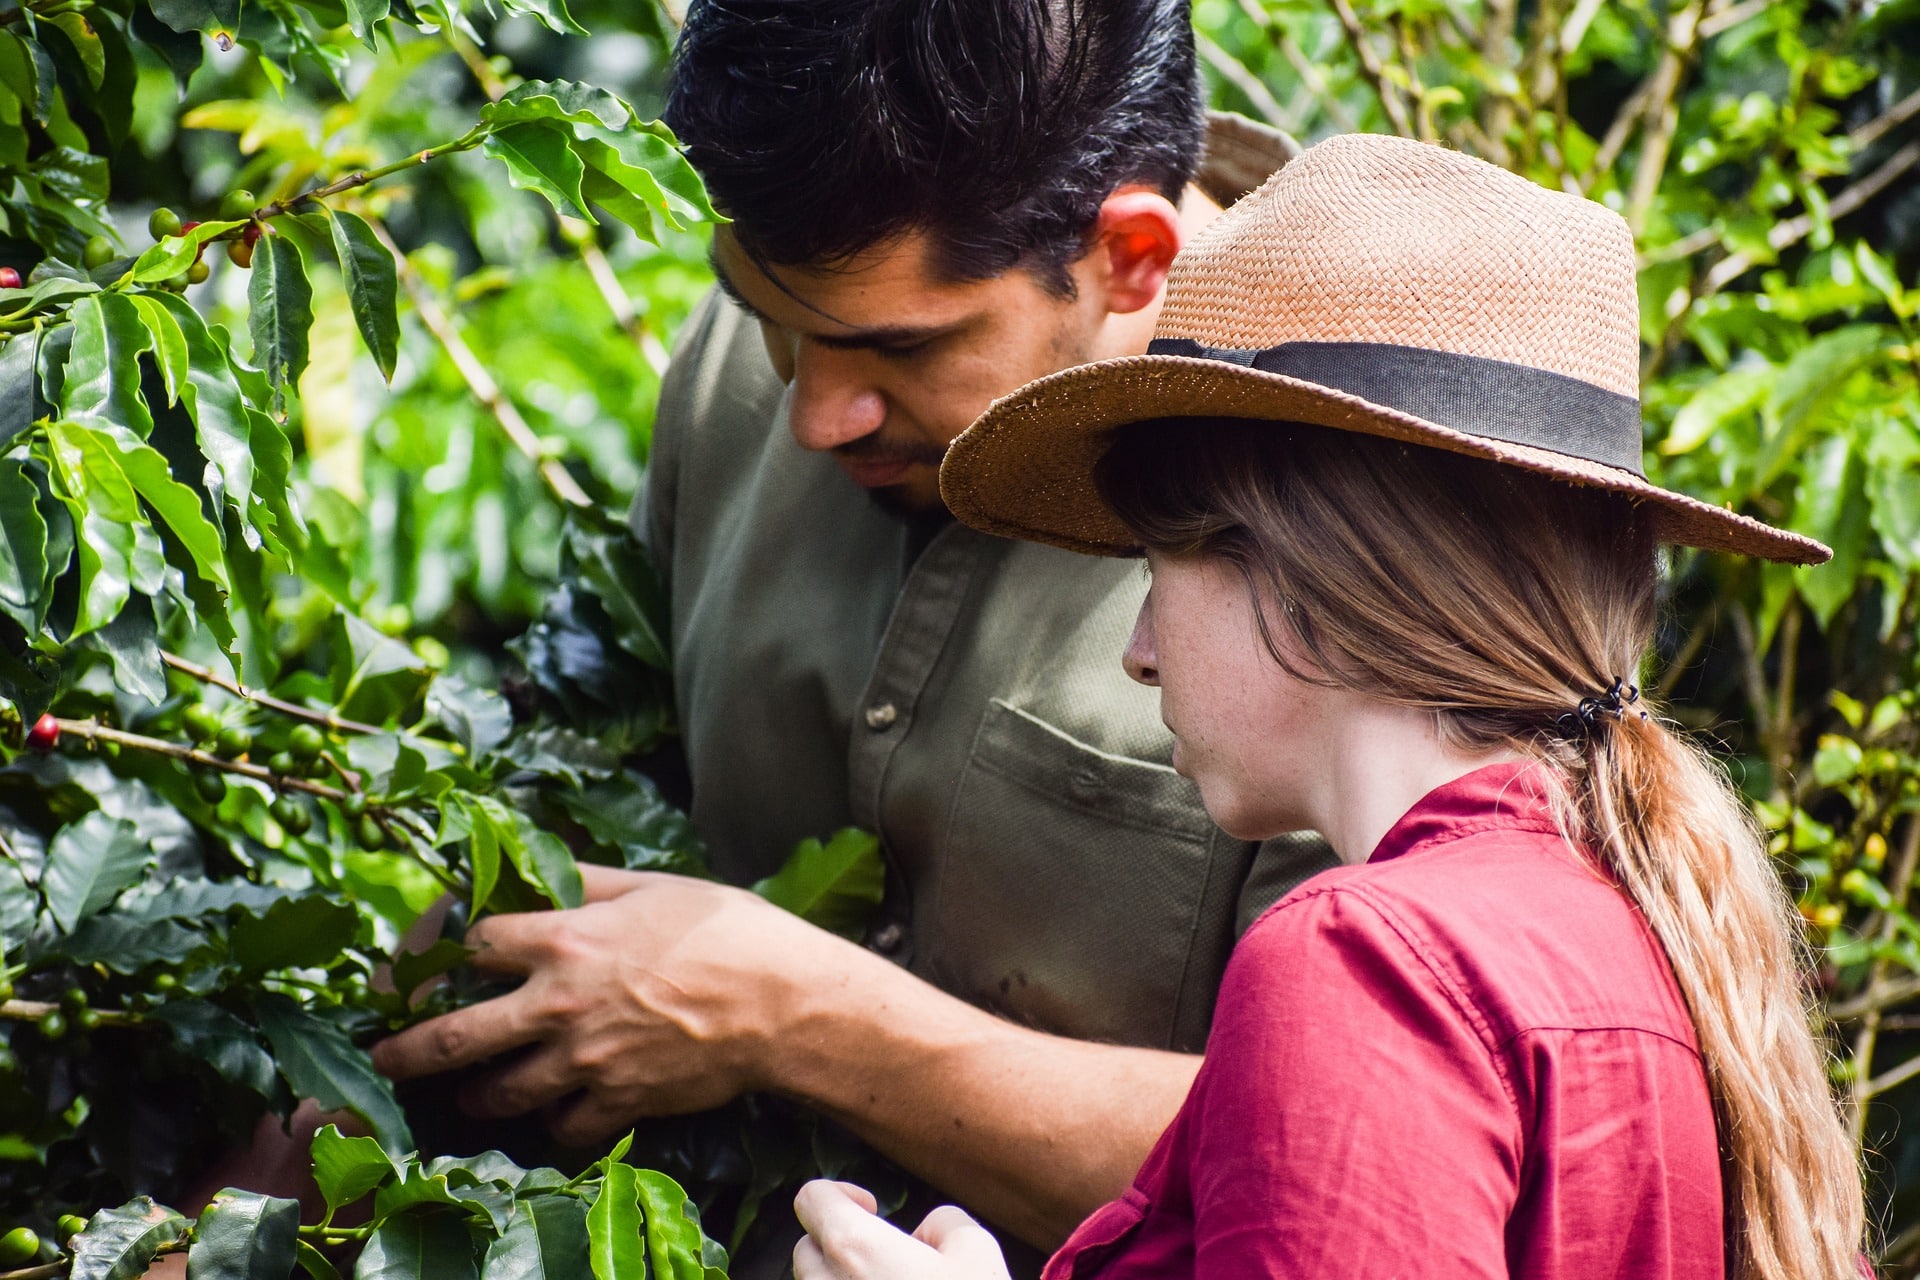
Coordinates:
x,y
846,1240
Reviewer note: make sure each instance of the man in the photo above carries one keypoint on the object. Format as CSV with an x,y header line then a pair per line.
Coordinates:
x,y
933,203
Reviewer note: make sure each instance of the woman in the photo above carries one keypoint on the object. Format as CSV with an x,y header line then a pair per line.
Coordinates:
x,y
1383,462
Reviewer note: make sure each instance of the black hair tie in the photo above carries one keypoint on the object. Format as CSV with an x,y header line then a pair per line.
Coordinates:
x,y
1586,719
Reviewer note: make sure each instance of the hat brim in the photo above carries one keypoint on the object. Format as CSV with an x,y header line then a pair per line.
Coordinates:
x,y
1025,469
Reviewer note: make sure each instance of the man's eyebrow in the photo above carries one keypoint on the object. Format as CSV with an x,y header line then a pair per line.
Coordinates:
x,y
854,339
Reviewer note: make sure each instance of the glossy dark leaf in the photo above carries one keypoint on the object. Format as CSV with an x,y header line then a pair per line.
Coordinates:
x,y
211,1034
372,284
89,863
294,933
561,753
23,543
546,1240
212,397
128,946
411,968
19,381
118,1244
320,1063
627,813
418,1246
280,312
560,100
244,1235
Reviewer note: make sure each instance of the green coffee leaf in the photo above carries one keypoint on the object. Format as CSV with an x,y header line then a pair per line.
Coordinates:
x,y
362,15
320,1063
147,472
280,313
418,1187
103,371
538,158
835,885
676,1247
617,1244
546,1240
418,1246
551,12
557,100
244,1235
19,379
128,946
345,1169
89,863
293,933
222,1041
118,1244
169,344
23,546
314,1262
212,397
372,284
411,968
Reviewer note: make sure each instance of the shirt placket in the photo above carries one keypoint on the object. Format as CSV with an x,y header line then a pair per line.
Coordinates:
x,y
917,633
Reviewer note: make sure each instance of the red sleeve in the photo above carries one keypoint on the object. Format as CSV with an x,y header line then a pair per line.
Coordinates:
x,y
1351,1119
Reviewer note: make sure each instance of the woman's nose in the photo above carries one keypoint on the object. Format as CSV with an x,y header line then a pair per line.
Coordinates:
x,y
1140,660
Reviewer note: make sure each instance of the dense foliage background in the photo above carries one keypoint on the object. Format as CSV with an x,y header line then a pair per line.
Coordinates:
x,y
271,539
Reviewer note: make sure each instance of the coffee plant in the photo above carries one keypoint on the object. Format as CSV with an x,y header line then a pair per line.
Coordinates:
x,y
237,765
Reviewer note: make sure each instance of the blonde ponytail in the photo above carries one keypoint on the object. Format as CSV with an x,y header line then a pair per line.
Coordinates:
x,y
1498,600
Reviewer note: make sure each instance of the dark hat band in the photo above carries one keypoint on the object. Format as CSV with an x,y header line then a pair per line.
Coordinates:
x,y
1514,403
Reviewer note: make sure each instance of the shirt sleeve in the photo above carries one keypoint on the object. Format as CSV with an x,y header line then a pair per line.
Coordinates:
x,y
1351,1119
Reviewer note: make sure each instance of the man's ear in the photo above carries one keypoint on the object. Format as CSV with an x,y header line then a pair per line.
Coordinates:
x,y
1134,239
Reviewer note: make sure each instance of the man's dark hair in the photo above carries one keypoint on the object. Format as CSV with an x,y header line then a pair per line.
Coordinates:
x,y
826,127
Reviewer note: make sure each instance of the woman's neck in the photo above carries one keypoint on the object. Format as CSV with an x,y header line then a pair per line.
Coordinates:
x,y
1377,764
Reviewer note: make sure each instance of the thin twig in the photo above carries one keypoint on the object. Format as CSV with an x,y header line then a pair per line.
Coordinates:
x,y
1729,18
1866,1040
1663,112
1235,73
34,1010
1615,140
327,719
1372,68
1793,230
1896,115
480,382
1310,77
361,177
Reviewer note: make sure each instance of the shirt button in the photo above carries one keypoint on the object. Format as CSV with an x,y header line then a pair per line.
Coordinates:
x,y
881,715
888,937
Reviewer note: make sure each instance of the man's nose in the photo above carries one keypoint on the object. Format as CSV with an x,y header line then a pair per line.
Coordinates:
x,y
832,405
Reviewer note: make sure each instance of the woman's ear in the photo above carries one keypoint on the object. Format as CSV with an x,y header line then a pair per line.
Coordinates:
x,y
1134,239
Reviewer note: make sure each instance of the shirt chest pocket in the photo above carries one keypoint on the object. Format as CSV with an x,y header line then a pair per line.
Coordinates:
x,y
1074,887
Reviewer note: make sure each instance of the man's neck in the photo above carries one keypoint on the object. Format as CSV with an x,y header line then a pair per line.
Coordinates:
x,y
1128,335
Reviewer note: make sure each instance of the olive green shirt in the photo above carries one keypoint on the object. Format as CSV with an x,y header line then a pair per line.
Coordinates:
x,y
960,694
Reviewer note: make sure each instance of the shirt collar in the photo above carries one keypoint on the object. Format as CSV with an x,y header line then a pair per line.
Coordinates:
x,y
1513,794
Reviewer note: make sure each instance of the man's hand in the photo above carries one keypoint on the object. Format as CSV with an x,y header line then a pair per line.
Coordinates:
x,y
846,1241
662,995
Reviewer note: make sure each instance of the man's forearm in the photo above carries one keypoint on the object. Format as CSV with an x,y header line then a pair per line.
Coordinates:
x,y
1029,1130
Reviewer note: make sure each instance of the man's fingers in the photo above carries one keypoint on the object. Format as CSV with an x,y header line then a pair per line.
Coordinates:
x,y
511,943
957,1237
532,1082
457,1039
592,1120
601,883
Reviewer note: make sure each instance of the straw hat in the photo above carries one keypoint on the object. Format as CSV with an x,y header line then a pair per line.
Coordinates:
x,y
1377,285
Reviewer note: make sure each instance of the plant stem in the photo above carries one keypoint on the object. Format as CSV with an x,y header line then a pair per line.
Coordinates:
x,y
40,1272
481,382
328,719
1372,68
361,177
1662,112
92,731
34,1010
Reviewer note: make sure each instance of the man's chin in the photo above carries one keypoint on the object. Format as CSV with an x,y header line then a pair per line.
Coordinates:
x,y
907,500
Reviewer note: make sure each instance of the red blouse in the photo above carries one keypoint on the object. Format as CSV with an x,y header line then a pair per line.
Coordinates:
x,y
1467,1057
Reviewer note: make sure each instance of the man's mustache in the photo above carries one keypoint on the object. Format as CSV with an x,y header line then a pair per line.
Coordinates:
x,y
875,448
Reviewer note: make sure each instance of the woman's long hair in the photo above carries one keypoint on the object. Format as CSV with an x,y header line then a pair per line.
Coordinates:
x,y
1498,600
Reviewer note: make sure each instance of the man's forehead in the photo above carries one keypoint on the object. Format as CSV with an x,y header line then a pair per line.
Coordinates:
x,y
887,288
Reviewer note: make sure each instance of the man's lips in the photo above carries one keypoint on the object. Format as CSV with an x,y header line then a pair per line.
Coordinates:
x,y
873,473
